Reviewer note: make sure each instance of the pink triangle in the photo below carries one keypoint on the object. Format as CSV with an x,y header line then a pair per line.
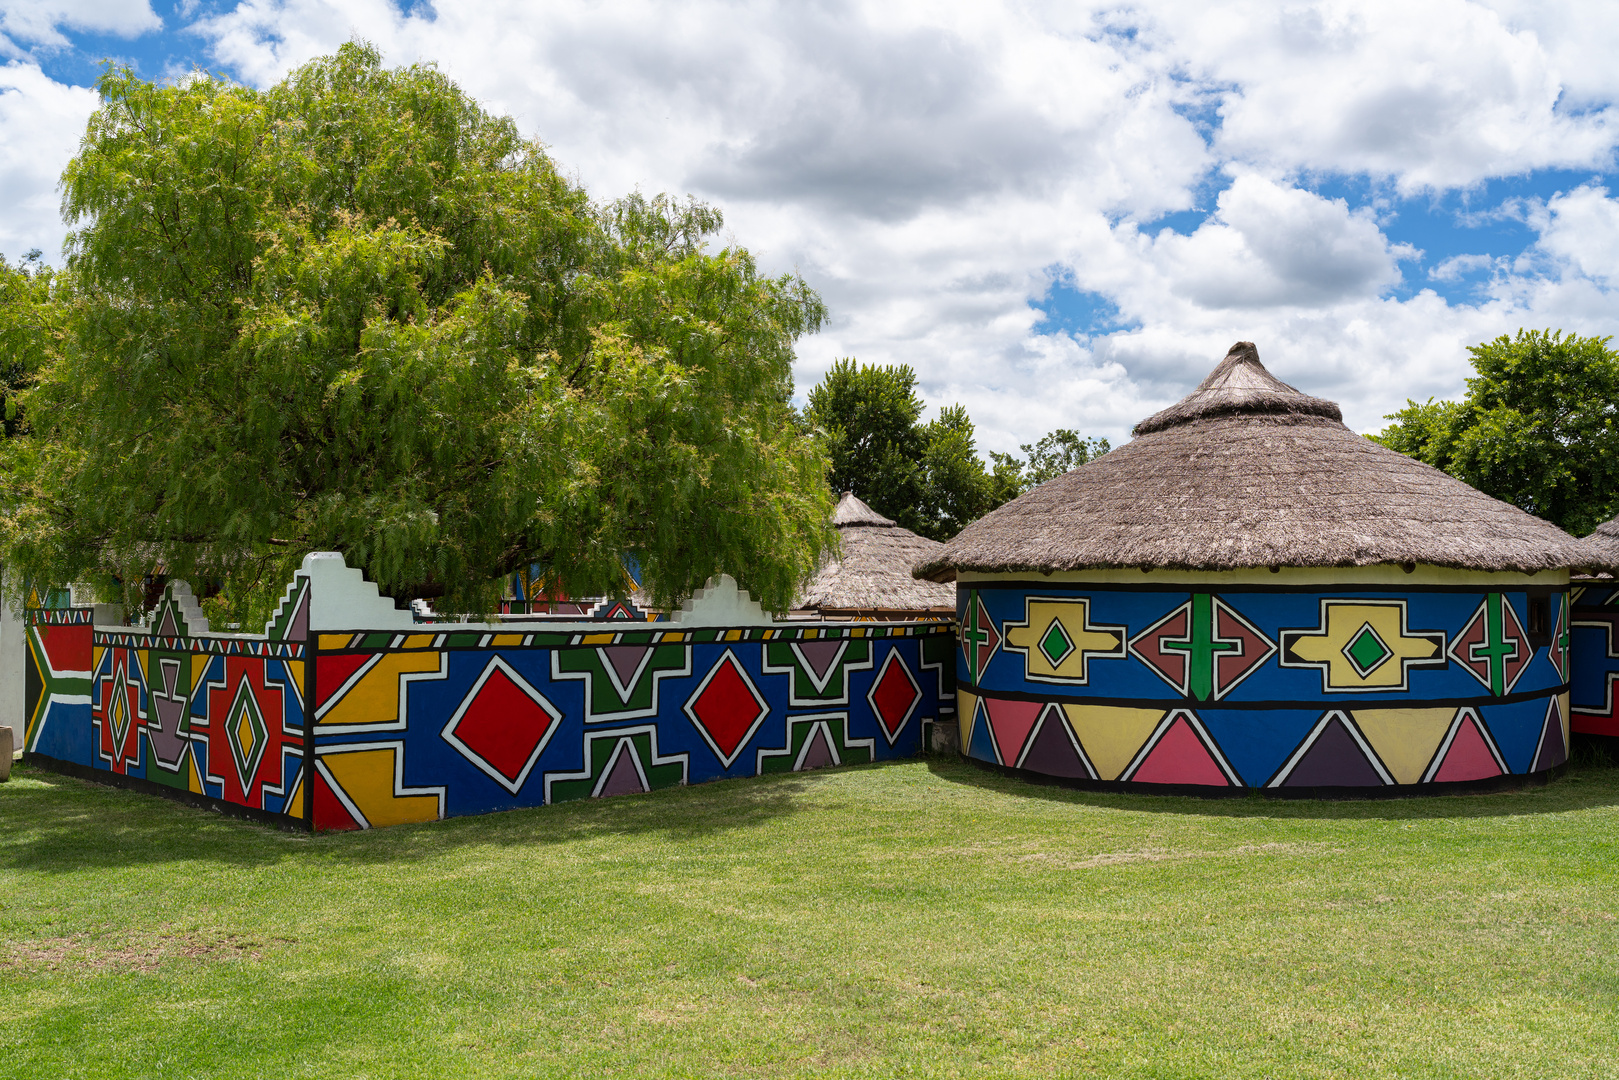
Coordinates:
x,y
623,780
1469,756
625,660
1011,721
1180,758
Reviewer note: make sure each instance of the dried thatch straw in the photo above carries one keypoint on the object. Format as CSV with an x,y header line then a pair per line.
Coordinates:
x,y
1599,552
1247,472
874,573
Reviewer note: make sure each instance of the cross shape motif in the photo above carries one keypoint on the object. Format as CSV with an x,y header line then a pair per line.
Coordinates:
x,y
1201,647
1496,648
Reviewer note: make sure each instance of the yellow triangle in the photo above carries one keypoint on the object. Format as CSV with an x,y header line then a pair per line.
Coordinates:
x,y
1405,738
295,668
1111,735
966,705
196,779
1562,707
295,798
367,777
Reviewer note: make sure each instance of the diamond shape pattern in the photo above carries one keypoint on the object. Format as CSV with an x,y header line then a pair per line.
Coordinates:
x,y
1367,651
1056,643
246,733
894,696
727,708
502,725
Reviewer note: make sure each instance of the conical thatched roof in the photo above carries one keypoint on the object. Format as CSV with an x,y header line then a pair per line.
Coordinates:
x,y
1246,471
874,574
1600,551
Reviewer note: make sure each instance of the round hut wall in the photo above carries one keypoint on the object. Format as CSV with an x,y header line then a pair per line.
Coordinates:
x,y
1249,595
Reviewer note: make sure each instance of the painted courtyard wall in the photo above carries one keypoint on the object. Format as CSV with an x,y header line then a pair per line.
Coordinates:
x,y
1302,680
1595,658
405,722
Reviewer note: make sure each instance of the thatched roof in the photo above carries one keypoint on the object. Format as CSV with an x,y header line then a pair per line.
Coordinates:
x,y
1245,472
1599,552
874,573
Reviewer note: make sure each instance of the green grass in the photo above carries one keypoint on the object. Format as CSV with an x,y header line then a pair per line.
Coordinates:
x,y
924,918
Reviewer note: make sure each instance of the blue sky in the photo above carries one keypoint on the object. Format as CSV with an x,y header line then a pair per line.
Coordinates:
x,y
1059,215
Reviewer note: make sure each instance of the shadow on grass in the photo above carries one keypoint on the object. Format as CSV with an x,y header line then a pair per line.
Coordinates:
x,y
54,824
1590,782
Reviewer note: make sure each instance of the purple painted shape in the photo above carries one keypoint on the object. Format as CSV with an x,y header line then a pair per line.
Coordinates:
x,y
171,675
298,628
625,660
623,780
166,626
1334,760
818,754
168,745
1052,753
819,655
1552,752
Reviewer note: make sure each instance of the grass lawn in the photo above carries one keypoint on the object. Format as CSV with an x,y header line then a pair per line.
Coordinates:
x,y
916,919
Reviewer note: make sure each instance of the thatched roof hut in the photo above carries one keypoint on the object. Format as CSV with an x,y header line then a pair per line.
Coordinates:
x,y
872,578
1247,472
1599,552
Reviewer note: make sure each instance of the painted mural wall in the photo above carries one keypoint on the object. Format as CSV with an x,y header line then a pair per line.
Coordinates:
x,y
1595,660
409,722
1239,684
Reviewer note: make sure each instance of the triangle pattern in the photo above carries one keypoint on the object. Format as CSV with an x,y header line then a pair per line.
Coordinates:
x,y
625,661
1468,756
334,671
1405,739
1553,748
166,626
1334,759
966,706
1180,757
817,754
1052,751
1011,722
622,776
982,746
330,813
819,657
1111,735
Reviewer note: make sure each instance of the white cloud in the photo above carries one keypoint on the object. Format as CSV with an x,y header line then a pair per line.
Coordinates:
x,y
40,21
40,124
927,166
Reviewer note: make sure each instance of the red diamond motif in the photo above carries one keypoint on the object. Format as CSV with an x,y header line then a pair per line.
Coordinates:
x,y
727,709
894,695
502,725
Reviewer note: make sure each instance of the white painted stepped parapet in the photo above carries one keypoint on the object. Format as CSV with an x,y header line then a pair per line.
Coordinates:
x,y
721,603
341,599
196,622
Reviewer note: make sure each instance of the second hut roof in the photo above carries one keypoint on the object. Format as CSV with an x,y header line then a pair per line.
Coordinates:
x,y
874,572
1245,472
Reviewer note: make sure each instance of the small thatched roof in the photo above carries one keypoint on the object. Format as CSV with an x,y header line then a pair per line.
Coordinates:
x,y
1245,472
874,573
1599,552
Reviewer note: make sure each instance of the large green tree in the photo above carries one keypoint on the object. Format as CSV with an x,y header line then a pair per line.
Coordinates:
x,y
1538,427
356,312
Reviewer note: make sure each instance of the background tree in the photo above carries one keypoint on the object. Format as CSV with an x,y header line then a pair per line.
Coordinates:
x,y
1538,427
356,312
26,334
928,477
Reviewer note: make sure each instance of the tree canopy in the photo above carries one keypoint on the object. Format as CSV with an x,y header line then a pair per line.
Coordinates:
x,y
1537,427
927,477
356,312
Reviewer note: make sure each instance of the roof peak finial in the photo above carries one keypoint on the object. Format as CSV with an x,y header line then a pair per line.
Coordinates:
x,y
1238,385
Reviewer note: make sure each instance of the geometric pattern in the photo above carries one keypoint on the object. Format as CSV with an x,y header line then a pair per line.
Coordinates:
x,y
1058,640
1363,646
894,696
1551,749
361,786
621,680
1466,753
815,741
1594,664
1405,740
1203,648
621,761
1494,647
502,725
819,669
979,639
1334,755
1181,751
727,708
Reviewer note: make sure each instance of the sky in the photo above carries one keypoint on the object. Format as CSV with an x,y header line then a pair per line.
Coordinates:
x,y
1059,215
